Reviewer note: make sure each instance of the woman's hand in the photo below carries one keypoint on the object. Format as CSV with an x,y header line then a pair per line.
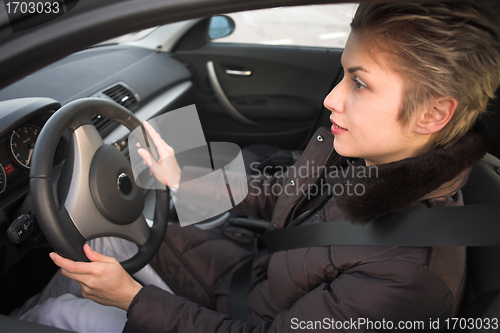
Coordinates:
x,y
166,170
102,280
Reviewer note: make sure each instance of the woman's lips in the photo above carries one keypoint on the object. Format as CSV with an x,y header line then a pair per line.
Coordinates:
x,y
336,129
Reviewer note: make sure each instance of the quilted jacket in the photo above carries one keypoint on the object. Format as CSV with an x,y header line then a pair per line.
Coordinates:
x,y
331,288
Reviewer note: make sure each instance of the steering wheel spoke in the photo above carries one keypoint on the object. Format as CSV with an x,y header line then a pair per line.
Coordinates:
x,y
86,141
136,232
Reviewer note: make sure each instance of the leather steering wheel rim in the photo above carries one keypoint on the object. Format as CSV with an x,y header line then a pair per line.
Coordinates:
x,y
57,222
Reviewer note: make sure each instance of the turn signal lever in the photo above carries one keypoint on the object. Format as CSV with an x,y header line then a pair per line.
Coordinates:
x,y
21,228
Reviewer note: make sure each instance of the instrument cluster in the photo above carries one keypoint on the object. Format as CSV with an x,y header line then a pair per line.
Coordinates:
x,y
16,150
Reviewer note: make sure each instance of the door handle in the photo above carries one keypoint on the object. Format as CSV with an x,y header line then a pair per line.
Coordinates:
x,y
223,100
238,72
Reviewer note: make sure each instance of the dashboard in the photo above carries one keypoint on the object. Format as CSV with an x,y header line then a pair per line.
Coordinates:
x,y
145,82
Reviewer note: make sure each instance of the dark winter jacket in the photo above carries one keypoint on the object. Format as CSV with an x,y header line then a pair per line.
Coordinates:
x,y
332,288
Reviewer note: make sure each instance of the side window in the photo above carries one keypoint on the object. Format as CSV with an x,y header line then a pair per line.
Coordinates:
x,y
313,25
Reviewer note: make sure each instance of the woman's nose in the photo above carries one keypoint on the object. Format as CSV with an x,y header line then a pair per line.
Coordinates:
x,y
334,101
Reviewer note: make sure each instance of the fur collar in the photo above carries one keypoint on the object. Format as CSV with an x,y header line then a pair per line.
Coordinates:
x,y
438,172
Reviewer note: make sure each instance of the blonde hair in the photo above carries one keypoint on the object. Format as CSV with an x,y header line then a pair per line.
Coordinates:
x,y
442,48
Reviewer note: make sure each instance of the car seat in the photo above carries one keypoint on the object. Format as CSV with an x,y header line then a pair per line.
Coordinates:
x,y
482,289
483,263
492,122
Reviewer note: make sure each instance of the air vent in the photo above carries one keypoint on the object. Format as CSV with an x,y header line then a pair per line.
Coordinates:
x,y
100,123
122,95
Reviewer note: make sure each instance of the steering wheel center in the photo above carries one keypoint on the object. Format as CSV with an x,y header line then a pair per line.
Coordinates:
x,y
116,196
125,185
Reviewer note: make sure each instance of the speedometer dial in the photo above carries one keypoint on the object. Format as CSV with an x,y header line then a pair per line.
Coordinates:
x,y
3,179
22,143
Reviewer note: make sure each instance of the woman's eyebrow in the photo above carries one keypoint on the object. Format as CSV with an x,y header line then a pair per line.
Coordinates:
x,y
355,69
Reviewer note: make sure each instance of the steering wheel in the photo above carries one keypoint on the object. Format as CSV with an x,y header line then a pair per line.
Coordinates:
x,y
96,192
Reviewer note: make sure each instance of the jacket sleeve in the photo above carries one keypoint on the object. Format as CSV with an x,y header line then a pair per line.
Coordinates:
x,y
155,310
349,303
259,202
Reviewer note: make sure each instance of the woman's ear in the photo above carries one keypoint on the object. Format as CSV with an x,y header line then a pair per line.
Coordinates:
x,y
436,115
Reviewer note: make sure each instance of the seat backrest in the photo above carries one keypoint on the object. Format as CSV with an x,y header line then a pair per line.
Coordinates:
x,y
483,186
492,122
483,263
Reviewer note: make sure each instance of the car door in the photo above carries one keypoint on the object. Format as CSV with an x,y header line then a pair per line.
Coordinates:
x,y
265,84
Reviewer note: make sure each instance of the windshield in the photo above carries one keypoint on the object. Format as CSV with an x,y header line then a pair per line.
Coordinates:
x,y
131,37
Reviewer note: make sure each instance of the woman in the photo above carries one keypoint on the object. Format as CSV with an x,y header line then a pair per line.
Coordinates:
x,y
416,78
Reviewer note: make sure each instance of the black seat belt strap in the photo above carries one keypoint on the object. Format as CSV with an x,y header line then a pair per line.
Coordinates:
x,y
474,225
239,290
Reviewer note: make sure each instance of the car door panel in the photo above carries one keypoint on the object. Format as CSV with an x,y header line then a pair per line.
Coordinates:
x,y
283,91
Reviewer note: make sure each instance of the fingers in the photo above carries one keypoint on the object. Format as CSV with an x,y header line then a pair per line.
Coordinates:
x,y
158,141
96,256
85,273
166,170
146,156
77,267
147,159
149,128
164,149
103,279
77,271
69,265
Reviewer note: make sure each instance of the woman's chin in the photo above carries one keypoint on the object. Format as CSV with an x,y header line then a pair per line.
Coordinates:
x,y
342,149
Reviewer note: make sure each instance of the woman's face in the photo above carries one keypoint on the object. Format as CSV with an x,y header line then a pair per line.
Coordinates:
x,y
365,106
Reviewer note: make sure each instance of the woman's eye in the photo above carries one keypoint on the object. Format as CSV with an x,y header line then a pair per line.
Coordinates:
x,y
358,85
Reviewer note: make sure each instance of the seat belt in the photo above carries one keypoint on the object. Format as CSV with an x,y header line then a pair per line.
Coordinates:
x,y
239,290
240,281
473,225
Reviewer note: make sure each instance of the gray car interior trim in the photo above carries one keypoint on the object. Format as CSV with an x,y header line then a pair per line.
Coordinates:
x,y
222,98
